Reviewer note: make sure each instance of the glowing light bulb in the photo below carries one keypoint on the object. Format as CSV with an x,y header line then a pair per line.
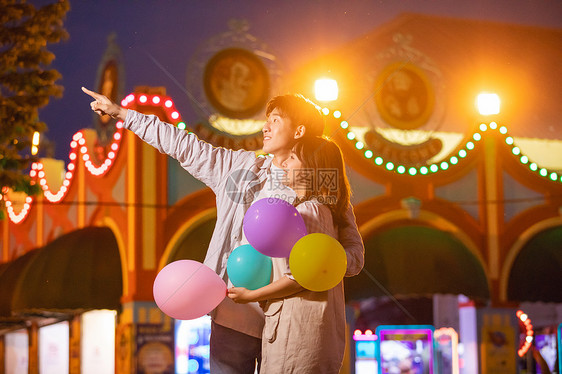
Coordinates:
x,y
488,103
326,89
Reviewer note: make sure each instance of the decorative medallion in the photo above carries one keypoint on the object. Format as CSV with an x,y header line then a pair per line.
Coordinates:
x,y
231,77
404,113
405,97
236,83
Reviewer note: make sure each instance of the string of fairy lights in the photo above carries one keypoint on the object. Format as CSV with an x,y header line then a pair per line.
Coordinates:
x,y
526,331
454,159
82,146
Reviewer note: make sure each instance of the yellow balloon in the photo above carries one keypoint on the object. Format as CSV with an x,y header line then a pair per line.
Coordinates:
x,y
318,262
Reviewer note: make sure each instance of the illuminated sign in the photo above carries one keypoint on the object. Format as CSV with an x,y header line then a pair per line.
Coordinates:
x,y
405,349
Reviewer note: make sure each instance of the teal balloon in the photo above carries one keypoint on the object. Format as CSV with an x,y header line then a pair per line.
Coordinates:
x,y
248,268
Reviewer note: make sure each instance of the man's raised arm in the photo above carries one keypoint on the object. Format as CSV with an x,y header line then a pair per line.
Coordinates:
x,y
211,165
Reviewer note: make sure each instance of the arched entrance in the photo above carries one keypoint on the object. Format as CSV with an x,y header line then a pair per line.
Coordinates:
x,y
417,260
194,245
405,266
535,274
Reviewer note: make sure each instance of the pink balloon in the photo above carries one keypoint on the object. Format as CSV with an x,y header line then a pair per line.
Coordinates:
x,y
187,289
273,226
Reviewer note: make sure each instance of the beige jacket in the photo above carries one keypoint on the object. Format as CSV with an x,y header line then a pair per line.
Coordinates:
x,y
305,333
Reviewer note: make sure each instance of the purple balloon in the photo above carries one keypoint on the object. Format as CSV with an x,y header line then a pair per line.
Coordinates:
x,y
273,226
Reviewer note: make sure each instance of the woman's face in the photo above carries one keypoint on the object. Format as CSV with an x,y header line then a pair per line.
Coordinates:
x,y
293,167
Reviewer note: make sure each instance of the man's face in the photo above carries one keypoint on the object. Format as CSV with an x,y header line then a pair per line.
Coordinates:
x,y
278,133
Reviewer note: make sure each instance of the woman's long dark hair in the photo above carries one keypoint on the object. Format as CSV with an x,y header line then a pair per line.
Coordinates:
x,y
323,163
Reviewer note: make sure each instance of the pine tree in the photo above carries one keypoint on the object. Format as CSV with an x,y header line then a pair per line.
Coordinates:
x,y
26,82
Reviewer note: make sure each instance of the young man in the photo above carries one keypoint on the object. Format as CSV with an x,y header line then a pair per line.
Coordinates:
x,y
237,178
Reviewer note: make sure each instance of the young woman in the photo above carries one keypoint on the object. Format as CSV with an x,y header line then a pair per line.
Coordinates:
x,y
305,330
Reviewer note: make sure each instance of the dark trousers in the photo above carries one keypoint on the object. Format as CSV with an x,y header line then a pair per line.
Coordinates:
x,y
233,352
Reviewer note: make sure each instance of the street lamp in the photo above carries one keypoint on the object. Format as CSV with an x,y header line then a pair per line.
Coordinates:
x,y
326,89
35,143
488,103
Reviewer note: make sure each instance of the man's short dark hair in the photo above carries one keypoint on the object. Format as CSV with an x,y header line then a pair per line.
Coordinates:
x,y
300,110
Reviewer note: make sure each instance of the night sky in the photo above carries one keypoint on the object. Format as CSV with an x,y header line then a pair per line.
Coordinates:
x,y
158,39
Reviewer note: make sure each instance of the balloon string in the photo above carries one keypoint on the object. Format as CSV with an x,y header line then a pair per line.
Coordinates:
x,y
200,107
391,296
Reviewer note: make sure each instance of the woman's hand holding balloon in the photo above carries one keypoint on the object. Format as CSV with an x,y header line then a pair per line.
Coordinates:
x,y
241,295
